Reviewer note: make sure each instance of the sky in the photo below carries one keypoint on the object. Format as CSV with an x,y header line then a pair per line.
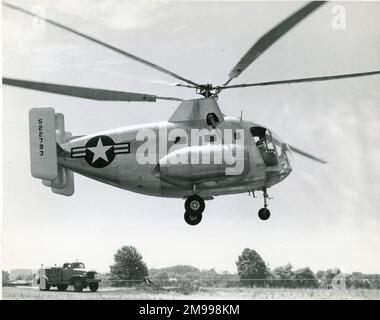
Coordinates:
x,y
323,216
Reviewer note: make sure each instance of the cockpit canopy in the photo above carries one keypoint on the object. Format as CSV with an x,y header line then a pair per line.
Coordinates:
x,y
271,148
263,140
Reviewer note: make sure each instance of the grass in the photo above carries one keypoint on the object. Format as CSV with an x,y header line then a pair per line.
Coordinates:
x,y
32,293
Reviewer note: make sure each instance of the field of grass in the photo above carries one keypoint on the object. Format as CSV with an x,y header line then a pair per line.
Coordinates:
x,y
32,293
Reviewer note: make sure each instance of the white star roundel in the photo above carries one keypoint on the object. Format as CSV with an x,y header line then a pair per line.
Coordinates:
x,y
100,151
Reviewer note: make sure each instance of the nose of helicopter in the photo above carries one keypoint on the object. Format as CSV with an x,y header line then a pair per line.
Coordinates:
x,y
285,157
286,161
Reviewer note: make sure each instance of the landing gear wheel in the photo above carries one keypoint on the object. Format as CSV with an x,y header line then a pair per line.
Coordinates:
x,y
78,285
194,204
264,214
193,218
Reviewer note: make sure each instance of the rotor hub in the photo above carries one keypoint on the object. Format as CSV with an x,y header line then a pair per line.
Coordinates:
x,y
207,90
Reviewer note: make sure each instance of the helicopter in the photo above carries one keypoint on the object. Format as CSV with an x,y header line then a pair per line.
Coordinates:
x,y
198,154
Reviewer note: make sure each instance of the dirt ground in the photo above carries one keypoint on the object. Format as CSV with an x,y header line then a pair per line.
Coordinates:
x,y
32,293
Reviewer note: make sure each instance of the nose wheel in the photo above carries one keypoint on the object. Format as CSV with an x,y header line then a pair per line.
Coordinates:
x,y
264,213
194,206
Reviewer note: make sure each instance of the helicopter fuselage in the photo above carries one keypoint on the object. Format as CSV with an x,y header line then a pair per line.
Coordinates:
x,y
176,160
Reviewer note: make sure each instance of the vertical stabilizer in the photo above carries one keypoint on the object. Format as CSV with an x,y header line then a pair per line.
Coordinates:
x,y
43,150
47,132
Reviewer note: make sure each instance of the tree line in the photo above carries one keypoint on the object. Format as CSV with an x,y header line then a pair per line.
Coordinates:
x,y
129,269
251,271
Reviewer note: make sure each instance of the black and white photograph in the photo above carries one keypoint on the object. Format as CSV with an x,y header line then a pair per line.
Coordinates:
x,y
190,150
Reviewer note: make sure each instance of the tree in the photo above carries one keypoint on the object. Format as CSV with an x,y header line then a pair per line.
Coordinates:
x,y
360,280
327,276
304,278
283,276
251,268
191,276
177,271
162,278
128,266
320,274
210,277
5,278
374,280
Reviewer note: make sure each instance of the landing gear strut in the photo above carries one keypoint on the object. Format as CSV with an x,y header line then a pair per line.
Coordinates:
x,y
194,206
264,213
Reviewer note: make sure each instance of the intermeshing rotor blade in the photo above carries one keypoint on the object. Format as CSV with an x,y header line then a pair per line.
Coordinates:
x,y
122,52
300,80
307,155
83,92
271,37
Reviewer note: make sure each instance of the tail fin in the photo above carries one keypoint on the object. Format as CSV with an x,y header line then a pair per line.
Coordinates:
x,y
43,150
47,132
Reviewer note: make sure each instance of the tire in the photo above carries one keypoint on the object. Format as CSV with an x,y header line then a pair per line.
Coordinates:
x,y
94,286
194,204
62,287
78,285
193,218
264,214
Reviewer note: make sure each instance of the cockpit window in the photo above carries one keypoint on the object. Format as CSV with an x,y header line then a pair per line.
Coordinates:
x,y
263,141
258,134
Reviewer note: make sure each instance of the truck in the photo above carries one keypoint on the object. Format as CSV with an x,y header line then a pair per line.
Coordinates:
x,y
71,273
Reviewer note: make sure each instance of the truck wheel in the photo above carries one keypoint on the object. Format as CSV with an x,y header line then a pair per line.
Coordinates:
x,y
62,287
78,285
94,286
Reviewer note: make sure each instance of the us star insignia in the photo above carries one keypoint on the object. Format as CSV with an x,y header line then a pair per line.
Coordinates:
x,y
100,151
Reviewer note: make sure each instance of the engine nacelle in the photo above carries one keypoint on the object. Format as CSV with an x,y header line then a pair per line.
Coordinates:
x,y
204,163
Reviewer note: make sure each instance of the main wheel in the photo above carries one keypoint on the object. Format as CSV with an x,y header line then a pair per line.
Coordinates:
x,y
78,285
94,286
62,287
264,214
193,218
194,204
